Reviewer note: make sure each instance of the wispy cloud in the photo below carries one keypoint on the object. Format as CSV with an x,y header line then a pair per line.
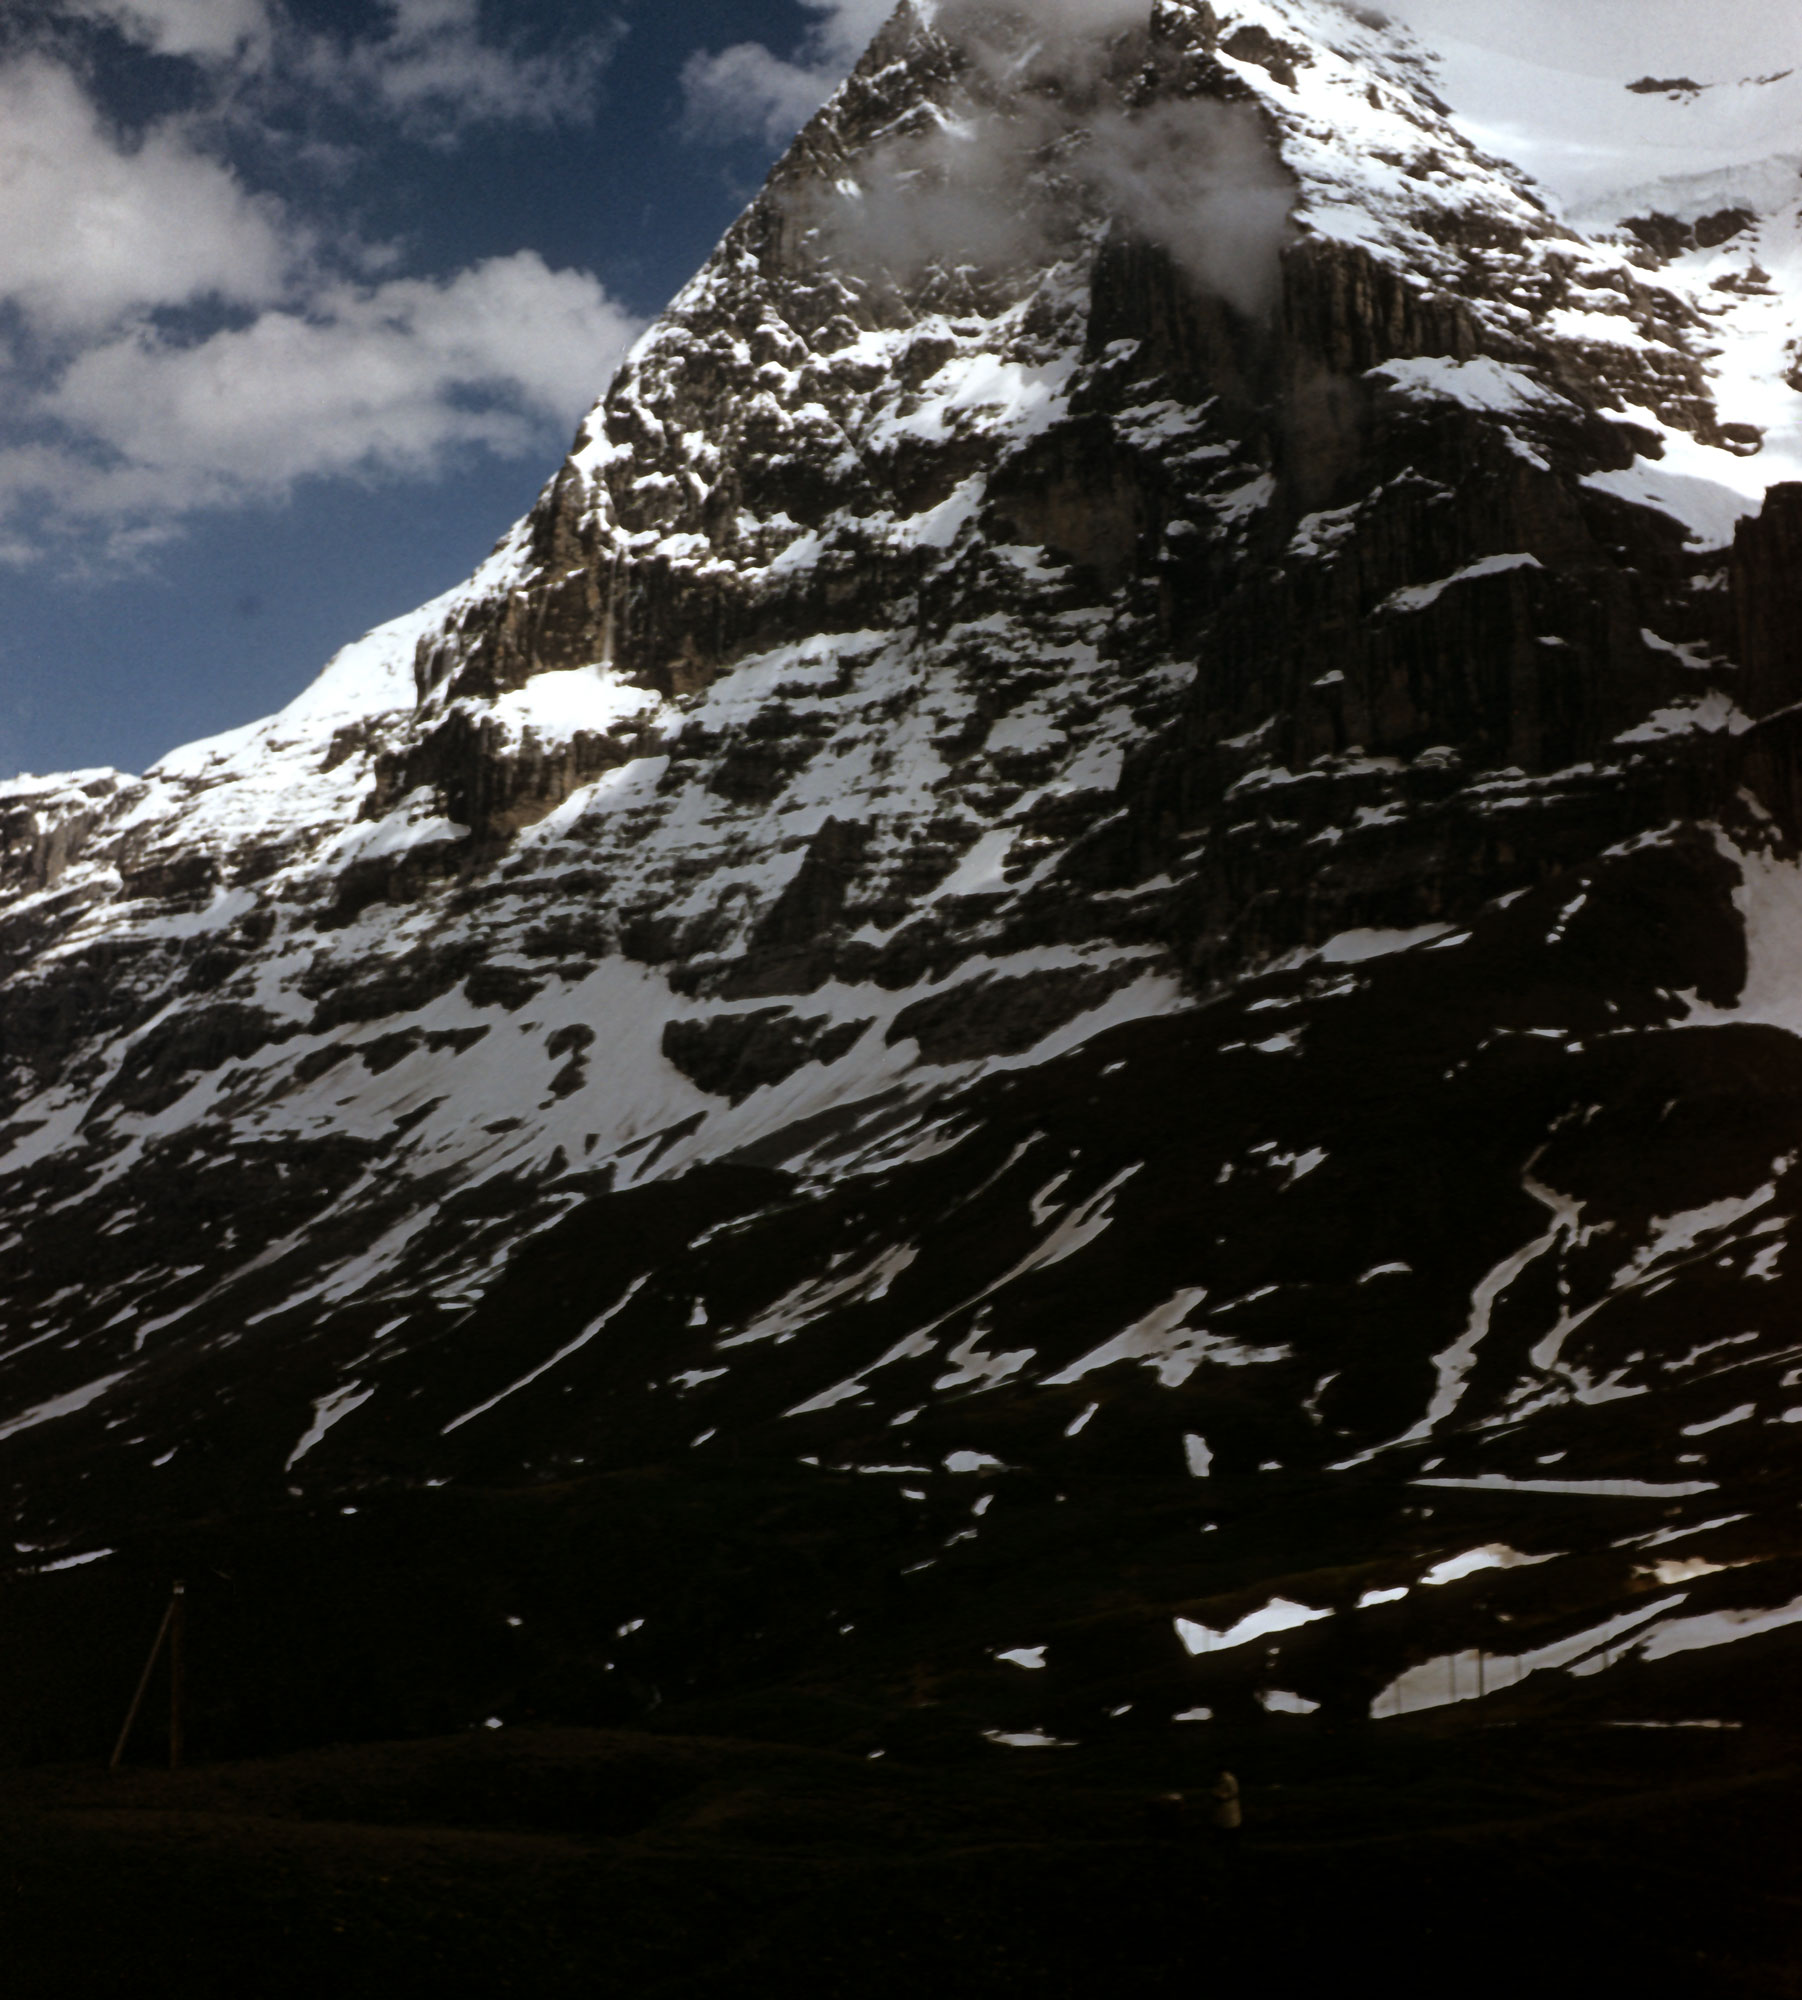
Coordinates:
x,y
988,184
747,91
435,66
428,61
216,30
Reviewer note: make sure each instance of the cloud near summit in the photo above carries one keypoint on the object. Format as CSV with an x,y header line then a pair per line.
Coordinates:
x,y
1202,181
747,91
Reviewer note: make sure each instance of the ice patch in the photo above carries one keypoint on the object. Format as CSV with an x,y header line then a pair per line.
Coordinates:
x,y
554,707
973,1461
1712,714
1709,508
414,823
915,1347
1482,384
1453,1367
979,872
71,1562
1664,1536
814,1297
973,1365
1683,1569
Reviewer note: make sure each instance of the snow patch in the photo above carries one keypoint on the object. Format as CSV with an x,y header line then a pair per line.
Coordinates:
x,y
1164,1343
1356,947
1417,597
1279,1615
1597,1489
326,1412
1492,1555
544,1367
65,1405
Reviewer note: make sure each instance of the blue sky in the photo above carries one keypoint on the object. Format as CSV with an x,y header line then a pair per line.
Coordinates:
x,y
301,301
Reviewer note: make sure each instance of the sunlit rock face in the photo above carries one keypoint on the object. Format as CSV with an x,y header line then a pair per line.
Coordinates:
x,y
1121,835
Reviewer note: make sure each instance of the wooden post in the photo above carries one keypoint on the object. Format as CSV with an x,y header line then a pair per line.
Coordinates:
x,y
178,1608
137,1700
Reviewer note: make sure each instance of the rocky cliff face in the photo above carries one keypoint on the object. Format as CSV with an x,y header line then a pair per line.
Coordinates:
x,y
1141,875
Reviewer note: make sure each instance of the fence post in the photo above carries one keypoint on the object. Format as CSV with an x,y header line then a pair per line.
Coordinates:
x,y
178,1618
137,1700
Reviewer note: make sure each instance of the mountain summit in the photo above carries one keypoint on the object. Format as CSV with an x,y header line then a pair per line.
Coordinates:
x,y
1087,958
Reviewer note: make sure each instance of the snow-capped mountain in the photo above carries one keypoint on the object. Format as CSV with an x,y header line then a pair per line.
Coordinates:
x,y
1120,842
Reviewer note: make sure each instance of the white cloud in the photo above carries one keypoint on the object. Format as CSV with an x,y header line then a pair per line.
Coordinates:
x,y
123,415
215,29
91,230
747,91
365,382
381,378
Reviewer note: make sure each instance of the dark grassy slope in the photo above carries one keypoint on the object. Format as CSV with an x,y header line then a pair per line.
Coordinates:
x,y
1544,1859
736,1833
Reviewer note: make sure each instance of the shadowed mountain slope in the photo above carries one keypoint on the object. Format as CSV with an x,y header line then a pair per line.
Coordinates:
x,y
1068,1004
